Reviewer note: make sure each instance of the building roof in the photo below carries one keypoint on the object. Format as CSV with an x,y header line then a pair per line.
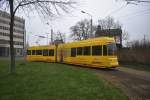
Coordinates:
x,y
108,32
6,14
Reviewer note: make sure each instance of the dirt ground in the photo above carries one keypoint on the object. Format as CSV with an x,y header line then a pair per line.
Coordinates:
x,y
134,83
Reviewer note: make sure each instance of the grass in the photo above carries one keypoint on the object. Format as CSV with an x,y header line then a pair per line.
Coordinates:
x,y
49,81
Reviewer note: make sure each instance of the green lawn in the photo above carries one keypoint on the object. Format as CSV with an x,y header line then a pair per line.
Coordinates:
x,y
49,81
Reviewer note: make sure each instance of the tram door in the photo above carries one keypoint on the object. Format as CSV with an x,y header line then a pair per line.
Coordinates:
x,y
61,56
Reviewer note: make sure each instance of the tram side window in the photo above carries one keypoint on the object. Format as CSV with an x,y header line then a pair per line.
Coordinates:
x,y
73,52
96,50
45,52
104,50
38,52
79,50
51,52
33,52
87,50
28,52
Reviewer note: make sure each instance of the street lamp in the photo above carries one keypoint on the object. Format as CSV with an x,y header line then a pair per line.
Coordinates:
x,y
90,21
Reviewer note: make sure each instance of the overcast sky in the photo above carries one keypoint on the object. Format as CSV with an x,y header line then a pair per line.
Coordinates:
x,y
134,19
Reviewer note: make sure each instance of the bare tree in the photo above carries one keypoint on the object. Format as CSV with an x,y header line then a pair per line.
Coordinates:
x,y
108,23
125,37
45,8
81,31
60,36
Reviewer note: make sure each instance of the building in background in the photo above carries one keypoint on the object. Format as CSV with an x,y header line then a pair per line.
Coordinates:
x,y
116,33
19,35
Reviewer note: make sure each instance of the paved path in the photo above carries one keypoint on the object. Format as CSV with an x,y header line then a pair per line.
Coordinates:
x,y
134,83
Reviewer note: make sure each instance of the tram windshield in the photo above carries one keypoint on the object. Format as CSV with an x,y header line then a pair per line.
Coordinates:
x,y
112,49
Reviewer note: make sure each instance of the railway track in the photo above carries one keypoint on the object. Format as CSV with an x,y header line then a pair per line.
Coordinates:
x,y
135,84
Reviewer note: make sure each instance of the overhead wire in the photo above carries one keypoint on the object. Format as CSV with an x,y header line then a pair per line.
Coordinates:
x,y
135,14
122,7
117,10
138,1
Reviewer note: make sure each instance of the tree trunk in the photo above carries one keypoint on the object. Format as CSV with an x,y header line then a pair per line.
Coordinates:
x,y
12,53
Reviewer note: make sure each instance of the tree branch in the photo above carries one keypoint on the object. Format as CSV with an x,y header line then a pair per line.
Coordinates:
x,y
53,2
139,1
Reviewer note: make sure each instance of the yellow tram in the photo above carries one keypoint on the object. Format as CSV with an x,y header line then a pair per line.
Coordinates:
x,y
96,52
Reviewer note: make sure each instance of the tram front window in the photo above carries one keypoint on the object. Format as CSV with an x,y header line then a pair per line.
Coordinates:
x,y
112,49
